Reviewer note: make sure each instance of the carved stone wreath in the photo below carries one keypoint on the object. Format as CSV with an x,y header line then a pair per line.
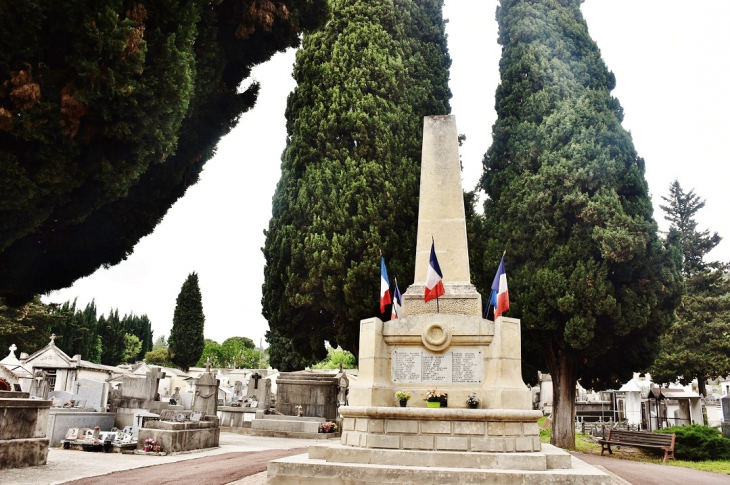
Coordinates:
x,y
436,337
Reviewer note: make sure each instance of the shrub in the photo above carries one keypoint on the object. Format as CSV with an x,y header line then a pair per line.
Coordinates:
x,y
699,443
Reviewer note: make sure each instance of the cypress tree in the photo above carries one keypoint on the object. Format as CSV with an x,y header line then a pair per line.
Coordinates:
x,y
350,171
108,117
569,202
186,337
698,344
112,332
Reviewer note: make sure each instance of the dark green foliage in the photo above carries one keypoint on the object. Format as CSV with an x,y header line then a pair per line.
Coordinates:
x,y
112,332
350,171
29,326
107,117
568,200
698,443
186,338
698,344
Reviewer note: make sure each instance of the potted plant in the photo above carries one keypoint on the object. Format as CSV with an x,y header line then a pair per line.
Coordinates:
x,y
149,443
436,399
403,397
473,401
328,427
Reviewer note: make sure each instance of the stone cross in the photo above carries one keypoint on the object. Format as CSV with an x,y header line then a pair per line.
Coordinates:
x,y
53,337
207,365
12,349
256,378
153,381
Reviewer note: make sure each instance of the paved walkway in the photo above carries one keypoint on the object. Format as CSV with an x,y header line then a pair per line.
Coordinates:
x,y
640,473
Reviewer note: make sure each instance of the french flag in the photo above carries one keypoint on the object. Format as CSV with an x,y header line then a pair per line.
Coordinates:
x,y
384,286
397,302
434,285
500,296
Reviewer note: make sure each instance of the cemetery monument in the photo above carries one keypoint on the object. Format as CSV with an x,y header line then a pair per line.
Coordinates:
x,y
444,346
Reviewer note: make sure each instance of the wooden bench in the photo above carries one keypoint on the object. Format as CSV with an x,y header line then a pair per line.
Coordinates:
x,y
640,439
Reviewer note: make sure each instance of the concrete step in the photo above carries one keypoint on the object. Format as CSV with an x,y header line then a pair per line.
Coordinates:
x,y
535,461
279,417
284,434
302,470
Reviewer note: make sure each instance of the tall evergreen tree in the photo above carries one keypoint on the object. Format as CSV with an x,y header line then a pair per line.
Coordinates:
x,y
350,171
569,202
186,338
108,117
112,334
698,344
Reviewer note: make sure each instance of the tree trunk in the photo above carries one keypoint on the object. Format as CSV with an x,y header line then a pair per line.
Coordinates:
x,y
563,373
701,386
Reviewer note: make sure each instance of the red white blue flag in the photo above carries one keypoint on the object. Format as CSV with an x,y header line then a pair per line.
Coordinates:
x,y
397,302
384,286
500,296
434,285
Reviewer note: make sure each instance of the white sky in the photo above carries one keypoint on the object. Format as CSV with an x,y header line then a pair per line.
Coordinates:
x,y
671,62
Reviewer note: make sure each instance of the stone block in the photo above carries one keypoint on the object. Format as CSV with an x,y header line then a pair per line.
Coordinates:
x,y
361,424
383,441
509,445
452,443
495,429
401,426
436,427
523,444
494,445
23,452
513,429
418,442
530,429
469,427
348,424
352,438
377,426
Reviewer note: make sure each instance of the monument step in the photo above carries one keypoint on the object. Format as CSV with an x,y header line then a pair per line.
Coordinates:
x,y
281,417
302,470
549,458
286,425
284,434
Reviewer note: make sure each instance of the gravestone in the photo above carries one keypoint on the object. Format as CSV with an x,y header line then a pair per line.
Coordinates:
x,y
62,397
725,401
206,393
39,385
93,392
259,389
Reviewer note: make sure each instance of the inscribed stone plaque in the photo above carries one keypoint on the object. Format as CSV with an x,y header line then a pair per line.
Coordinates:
x,y
458,366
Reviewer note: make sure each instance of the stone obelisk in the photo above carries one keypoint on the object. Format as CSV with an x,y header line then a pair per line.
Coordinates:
x,y
441,220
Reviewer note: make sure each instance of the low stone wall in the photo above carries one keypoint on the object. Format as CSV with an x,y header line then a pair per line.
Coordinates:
x,y
235,417
61,419
441,429
176,437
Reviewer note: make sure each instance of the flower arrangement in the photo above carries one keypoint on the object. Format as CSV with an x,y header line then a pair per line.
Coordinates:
x,y
149,443
473,400
328,427
402,395
97,428
157,448
436,396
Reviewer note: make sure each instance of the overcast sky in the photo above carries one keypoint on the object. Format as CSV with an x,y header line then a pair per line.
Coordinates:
x,y
671,63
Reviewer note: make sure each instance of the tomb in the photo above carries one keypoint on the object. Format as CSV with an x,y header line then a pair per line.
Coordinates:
x,y
138,395
443,345
176,430
23,423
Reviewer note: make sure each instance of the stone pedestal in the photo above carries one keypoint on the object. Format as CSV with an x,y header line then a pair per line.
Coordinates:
x,y
206,394
23,424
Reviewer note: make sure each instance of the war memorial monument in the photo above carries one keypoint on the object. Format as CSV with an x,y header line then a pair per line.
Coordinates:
x,y
451,349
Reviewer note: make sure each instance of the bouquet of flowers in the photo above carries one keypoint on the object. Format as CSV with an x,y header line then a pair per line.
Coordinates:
x,y
149,443
402,395
473,400
328,427
436,396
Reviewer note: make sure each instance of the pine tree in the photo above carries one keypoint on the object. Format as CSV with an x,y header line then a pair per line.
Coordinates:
x,y
107,117
350,171
569,202
698,344
186,338
112,334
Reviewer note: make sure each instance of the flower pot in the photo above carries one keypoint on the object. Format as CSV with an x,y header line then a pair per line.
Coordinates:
x,y
147,448
473,405
403,403
436,404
